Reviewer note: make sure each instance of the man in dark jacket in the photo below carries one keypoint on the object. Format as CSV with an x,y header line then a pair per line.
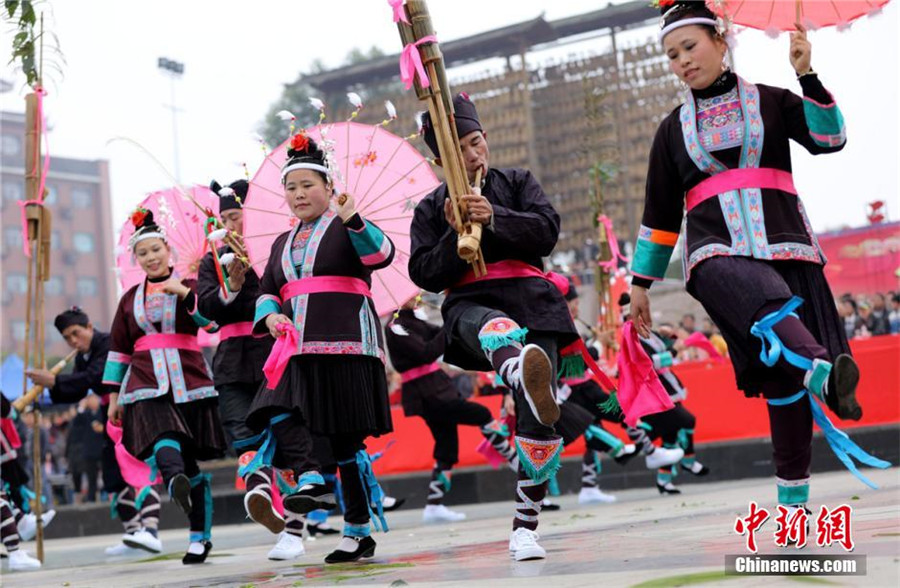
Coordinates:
x,y
137,509
512,321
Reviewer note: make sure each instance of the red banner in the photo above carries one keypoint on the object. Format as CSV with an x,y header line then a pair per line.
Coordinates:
x,y
723,413
863,260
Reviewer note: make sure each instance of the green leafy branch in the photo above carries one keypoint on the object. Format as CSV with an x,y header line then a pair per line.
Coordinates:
x,y
28,41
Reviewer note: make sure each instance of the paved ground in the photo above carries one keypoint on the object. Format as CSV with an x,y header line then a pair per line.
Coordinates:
x,y
642,540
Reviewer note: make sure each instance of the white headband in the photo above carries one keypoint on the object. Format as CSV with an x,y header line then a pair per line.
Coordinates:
x,y
301,165
137,238
699,20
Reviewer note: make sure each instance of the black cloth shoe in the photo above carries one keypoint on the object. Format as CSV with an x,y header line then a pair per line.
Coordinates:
x,y
398,502
193,558
312,498
180,491
840,393
668,488
320,529
626,457
365,548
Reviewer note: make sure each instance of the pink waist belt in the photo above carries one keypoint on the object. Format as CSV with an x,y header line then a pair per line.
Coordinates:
x,y
235,330
513,268
736,179
317,284
167,341
422,370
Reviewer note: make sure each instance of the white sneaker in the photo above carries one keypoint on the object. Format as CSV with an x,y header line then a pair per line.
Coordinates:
x,y
143,539
27,527
438,513
288,547
594,496
523,545
121,549
21,561
662,457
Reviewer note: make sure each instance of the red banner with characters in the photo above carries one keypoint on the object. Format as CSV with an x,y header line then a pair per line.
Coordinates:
x,y
864,260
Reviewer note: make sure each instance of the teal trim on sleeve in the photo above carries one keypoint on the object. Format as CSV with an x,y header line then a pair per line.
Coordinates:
x,y
651,259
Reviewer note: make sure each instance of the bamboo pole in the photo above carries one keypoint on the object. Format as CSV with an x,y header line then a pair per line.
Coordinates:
x,y
440,106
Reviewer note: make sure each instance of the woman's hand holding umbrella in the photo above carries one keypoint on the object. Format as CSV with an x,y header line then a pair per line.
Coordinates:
x,y
801,52
346,206
174,286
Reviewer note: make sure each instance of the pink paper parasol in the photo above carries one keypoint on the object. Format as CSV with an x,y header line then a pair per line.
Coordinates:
x,y
386,175
781,15
183,223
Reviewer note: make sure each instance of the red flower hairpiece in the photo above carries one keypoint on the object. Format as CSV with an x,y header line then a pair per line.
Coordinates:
x,y
299,142
138,216
663,3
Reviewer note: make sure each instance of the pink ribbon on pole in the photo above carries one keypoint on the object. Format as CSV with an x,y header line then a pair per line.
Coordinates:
x,y
45,169
613,243
399,13
411,63
282,352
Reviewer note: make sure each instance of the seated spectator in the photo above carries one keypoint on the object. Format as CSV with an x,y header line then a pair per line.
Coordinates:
x,y
879,322
848,311
894,316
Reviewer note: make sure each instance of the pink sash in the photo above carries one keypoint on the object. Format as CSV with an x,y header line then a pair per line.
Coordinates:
x,y
422,370
700,341
244,329
9,431
167,341
513,268
318,284
640,392
284,349
735,179
135,472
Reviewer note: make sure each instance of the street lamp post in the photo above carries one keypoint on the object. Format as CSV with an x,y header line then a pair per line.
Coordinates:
x,y
175,70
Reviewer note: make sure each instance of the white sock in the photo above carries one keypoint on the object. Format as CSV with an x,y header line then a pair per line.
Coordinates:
x,y
348,544
196,548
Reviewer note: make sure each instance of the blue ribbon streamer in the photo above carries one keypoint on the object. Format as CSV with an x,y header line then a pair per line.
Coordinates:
x,y
842,446
266,452
763,329
374,493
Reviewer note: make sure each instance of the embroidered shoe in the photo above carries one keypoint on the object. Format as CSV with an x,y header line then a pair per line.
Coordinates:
x,y
536,378
840,391
697,468
548,505
259,508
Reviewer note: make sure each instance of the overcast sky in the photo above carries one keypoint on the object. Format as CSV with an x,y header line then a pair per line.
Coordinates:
x,y
238,54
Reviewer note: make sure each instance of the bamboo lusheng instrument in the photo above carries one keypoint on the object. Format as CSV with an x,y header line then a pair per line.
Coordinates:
x,y
440,106
23,401
38,235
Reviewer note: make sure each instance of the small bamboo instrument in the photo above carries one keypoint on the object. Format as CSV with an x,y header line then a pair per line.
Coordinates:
x,y
23,401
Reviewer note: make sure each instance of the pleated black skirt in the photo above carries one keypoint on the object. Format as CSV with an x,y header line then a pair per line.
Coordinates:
x,y
195,424
733,290
333,394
